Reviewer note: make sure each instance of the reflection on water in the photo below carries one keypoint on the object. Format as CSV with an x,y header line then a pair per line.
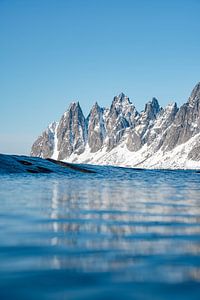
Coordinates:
x,y
121,234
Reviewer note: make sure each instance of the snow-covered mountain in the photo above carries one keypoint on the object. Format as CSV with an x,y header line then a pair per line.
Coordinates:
x,y
120,135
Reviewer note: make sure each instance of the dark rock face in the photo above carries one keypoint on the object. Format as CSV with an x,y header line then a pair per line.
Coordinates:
x,y
139,134
134,141
44,145
122,114
152,108
194,154
96,128
71,132
164,120
154,127
186,123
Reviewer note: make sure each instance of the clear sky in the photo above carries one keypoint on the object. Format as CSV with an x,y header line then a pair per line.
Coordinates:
x,y
55,51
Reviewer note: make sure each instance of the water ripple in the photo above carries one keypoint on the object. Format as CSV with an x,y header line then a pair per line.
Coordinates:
x,y
115,234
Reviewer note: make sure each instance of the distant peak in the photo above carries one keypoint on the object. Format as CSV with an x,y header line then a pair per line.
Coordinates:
x,y
96,105
154,101
172,104
74,105
171,107
122,95
52,126
196,89
121,98
197,86
195,95
152,108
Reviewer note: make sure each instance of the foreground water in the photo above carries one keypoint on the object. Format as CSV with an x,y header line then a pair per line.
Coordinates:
x,y
116,234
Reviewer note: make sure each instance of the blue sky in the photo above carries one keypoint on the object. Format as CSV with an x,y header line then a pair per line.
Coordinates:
x,y
54,51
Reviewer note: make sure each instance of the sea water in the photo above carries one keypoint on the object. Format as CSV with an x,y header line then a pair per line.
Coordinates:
x,y
115,234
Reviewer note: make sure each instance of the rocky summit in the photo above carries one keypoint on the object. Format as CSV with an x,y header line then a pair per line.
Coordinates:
x,y
120,135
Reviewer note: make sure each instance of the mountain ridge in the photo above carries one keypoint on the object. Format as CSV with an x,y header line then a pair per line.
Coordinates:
x,y
120,135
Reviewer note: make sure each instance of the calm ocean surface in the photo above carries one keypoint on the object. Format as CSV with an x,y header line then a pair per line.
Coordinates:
x,y
117,234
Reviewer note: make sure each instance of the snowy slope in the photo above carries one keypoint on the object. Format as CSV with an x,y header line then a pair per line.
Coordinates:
x,y
144,158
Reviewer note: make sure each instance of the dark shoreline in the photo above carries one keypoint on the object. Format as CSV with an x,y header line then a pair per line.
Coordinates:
x,y
36,165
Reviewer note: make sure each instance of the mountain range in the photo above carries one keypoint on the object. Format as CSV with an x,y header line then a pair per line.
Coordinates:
x,y
120,135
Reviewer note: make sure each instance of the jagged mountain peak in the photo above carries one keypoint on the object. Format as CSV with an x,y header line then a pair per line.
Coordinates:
x,y
195,95
71,133
120,101
108,134
74,105
154,101
152,108
96,106
196,89
152,104
121,96
96,128
52,126
95,110
171,106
